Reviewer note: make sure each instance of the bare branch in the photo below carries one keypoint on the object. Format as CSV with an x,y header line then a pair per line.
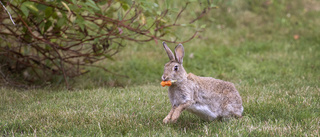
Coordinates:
x,y
8,13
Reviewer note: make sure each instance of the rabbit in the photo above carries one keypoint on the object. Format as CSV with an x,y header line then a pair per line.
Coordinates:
x,y
205,97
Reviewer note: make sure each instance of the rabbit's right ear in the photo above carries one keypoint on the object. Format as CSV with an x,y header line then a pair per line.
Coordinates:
x,y
179,53
169,52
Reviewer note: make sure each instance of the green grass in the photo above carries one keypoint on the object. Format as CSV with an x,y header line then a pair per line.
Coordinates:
x,y
138,111
247,43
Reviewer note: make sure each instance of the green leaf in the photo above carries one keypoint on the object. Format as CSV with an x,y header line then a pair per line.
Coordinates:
x,y
103,2
75,8
55,15
48,12
125,6
47,26
128,2
167,4
48,47
28,37
41,7
109,57
96,40
149,22
213,5
66,6
92,25
31,6
159,12
24,10
203,26
155,5
60,22
74,1
80,21
92,4
53,40
41,26
120,14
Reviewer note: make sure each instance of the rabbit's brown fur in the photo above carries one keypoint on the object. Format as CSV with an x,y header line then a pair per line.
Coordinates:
x,y
206,97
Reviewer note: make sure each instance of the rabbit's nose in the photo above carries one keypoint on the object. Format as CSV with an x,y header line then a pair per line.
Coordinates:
x,y
164,78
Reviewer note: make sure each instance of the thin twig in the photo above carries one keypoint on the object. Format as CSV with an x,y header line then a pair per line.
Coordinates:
x,y
8,13
178,16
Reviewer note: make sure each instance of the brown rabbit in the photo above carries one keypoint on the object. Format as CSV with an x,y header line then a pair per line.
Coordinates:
x,y
206,97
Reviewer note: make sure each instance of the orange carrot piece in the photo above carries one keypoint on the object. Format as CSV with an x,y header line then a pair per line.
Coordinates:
x,y
166,83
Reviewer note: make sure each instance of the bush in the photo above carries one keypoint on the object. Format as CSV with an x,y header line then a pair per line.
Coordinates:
x,y
62,38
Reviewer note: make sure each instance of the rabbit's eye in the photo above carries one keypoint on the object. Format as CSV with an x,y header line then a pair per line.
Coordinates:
x,y
175,68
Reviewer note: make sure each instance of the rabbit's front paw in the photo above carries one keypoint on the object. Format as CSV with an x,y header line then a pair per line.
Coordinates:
x,y
175,117
166,120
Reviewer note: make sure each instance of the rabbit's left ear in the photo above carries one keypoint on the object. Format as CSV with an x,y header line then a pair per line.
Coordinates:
x,y
179,51
169,52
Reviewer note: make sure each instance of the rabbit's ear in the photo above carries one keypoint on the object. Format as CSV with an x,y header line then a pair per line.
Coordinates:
x,y
179,53
169,52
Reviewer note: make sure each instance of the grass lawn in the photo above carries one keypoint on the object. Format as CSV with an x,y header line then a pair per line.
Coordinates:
x,y
251,44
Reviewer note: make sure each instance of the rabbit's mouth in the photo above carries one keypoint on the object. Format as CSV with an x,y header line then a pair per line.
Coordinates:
x,y
166,78
172,81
